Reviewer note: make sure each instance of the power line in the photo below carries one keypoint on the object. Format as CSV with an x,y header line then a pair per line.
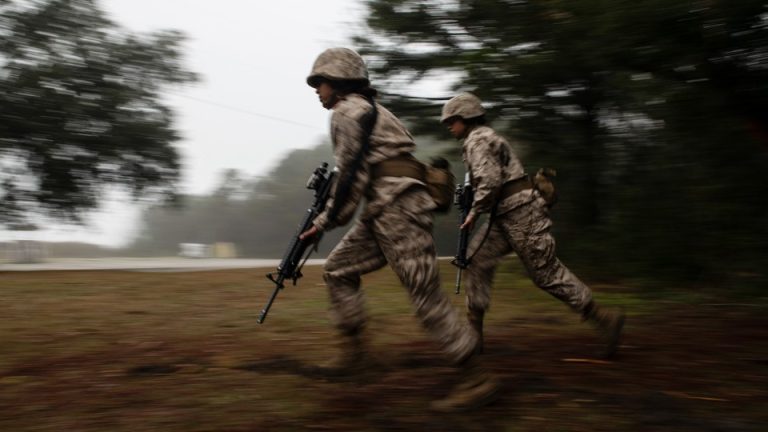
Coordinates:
x,y
282,120
244,111
418,98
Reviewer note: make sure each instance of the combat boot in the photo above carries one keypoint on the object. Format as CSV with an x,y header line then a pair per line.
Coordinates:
x,y
476,388
350,359
475,319
609,324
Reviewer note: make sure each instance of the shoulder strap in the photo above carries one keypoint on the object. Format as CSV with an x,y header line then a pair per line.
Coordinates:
x,y
345,183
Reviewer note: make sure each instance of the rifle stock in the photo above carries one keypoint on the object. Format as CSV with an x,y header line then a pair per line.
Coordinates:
x,y
293,260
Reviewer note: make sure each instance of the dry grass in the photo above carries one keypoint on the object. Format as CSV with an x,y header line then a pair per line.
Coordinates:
x,y
129,351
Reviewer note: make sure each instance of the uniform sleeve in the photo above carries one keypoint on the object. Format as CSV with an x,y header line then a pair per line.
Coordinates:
x,y
487,174
346,135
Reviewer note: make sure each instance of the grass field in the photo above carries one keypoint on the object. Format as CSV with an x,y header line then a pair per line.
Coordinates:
x,y
129,351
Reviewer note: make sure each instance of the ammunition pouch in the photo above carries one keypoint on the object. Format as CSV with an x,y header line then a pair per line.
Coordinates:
x,y
543,182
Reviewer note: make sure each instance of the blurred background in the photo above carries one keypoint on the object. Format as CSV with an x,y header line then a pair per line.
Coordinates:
x,y
136,128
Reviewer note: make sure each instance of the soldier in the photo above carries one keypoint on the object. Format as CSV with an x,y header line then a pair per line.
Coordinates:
x,y
520,223
372,151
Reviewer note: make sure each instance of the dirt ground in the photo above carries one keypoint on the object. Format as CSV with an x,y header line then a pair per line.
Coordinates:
x,y
128,351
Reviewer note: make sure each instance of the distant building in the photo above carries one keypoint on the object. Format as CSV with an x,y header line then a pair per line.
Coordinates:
x,y
202,250
224,250
26,251
194,250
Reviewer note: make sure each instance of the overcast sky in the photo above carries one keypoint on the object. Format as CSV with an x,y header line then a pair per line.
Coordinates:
x,y
252,105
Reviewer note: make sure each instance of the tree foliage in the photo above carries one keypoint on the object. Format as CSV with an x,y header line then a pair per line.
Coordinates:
x,y
655,114
259,215
80,109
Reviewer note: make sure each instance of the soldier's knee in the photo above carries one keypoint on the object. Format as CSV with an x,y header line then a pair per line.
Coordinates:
x,y
339,276
545,283
482,274
331,265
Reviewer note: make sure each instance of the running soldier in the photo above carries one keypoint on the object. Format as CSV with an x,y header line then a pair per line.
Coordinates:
x,y
372,151
519,221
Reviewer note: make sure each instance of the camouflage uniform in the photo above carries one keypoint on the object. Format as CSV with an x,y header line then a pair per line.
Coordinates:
x,y
395,227
521,225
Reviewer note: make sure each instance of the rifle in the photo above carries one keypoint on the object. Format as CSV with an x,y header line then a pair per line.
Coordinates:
x,y
462,198
320,181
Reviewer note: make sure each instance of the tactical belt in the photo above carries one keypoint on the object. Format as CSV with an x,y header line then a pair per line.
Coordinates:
x,y
514,186
408,166
400,166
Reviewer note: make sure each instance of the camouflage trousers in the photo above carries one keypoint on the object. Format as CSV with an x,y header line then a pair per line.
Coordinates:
x,y
525,231
401,236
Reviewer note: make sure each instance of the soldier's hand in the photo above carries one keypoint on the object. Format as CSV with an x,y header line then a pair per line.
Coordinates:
x,y
468,222
309,233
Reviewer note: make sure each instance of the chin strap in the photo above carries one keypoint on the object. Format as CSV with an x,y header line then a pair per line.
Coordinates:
x,y
332,100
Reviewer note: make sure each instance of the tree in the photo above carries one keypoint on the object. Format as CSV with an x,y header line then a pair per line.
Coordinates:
x,y
80,109
259,215
653,112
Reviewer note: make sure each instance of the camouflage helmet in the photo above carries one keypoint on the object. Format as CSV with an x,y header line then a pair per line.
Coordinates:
x,y
338,64
465,105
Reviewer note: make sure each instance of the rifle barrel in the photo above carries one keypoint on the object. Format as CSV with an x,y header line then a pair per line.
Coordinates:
x,y
458,281
265,311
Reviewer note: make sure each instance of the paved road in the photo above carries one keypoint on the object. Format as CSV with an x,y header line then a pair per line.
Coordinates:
x,y
147,264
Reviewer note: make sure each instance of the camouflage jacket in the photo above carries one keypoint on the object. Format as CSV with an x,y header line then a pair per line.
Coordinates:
x,y
490,162
388,139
